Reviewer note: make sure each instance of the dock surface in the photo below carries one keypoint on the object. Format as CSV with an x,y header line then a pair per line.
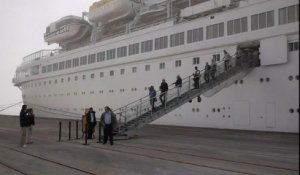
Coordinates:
x,y
154,150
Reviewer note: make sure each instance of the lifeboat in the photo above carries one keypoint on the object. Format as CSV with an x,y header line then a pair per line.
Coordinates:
x,y
106,11
67,30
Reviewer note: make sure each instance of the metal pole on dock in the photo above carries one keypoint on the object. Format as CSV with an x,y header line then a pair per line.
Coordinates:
x,y
99,139
69,130
76,129
59,132
85,134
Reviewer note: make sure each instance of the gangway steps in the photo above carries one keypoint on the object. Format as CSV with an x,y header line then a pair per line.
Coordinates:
x,y
219,82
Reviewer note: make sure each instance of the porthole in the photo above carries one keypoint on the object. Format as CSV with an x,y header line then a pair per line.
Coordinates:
x,y
213,110
236,82
218,110
261,80
206,116
197,109
267,79
228,107
193,109
190,101
223,116
223,108
290,78
199,99
229,116
291,110
241,81
297,77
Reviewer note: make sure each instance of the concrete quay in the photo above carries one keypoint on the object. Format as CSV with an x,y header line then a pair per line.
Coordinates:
x,y
155,150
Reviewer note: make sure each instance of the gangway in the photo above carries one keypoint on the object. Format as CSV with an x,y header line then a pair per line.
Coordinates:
x,y
139,113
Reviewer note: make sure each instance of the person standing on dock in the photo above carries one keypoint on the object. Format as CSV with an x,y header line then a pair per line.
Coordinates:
x,y
109,122
24,123
31,122
91,120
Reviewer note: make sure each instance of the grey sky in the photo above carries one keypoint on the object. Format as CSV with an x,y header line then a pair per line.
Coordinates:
x,y
23,23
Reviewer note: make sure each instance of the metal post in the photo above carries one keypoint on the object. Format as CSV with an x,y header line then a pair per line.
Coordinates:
x,y
189,83
77,129
137,115
140,107
99,141
125,114
59,132
85,134
69,130
165,99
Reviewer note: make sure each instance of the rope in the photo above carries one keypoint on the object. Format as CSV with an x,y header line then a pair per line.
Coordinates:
x,y
9,106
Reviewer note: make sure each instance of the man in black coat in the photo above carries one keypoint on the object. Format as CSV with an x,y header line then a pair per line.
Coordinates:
x,y
24,124
91,121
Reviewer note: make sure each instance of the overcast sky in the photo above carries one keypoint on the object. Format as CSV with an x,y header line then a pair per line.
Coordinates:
x,y
23,24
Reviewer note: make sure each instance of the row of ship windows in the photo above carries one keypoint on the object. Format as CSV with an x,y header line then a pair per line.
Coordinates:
x,y
92,76
291,110
258,21
82,93
162,66
293,46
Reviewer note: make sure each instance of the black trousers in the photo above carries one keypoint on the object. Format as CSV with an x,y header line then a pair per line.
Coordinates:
x,y
91,128
108,132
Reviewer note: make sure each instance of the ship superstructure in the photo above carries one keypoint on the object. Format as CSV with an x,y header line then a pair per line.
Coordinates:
x,y
126,46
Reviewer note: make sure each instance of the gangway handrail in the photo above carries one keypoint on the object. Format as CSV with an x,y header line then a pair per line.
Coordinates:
x,y
141,108
185,78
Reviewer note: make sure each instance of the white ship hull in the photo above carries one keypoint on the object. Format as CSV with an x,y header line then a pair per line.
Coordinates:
x,y
267,99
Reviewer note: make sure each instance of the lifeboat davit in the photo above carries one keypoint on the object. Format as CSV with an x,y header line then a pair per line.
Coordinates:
x,y
106,11
67,30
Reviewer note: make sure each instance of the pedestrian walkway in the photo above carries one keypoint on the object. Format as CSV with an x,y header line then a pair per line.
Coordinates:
x,y
154,149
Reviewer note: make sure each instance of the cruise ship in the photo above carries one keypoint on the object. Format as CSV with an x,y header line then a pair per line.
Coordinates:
x,y
117,49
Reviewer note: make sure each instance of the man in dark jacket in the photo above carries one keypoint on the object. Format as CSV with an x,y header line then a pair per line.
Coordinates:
x,y
91,121
24,124
164,89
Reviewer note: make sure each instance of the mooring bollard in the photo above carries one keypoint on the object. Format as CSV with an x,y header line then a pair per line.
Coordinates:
x,y
59,132
76,129
69,130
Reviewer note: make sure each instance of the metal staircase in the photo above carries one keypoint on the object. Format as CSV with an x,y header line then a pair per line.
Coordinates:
x,y
139,113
